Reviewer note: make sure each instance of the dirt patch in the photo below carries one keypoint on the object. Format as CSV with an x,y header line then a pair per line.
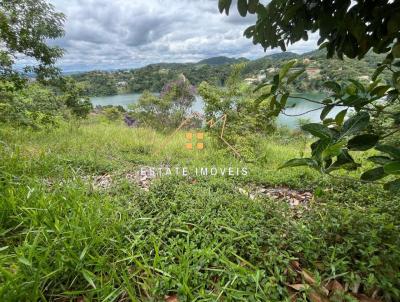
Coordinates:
x,y
293,197
103,182
142,178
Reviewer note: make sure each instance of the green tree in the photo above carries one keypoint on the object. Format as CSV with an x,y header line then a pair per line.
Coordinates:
x,y
25,28
74,97
345,28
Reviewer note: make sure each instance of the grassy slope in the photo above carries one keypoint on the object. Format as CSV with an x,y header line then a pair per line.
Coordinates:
x,y
201,239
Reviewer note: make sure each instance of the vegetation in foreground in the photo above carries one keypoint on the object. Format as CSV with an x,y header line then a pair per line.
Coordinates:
x,y
77,223
76,226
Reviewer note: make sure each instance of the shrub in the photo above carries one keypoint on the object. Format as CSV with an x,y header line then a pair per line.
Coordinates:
x,y
73,97
236,111
167,111
33,105
112,113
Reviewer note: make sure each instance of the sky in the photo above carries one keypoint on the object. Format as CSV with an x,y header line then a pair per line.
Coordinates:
x,y
119,34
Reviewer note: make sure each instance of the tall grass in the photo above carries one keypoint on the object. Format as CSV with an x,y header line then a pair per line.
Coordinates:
x,y
200,239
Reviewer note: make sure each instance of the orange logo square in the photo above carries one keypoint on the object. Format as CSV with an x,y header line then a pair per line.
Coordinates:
x,y
189,135
198,137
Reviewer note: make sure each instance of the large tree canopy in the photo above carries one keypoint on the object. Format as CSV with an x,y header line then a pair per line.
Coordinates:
x,y
25,27
347,27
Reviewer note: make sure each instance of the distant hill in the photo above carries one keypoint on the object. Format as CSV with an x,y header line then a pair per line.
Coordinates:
x,y
282,55
216,70
222,60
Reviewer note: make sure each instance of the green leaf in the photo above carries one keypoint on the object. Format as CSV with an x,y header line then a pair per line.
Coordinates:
x,y
359,86
340,117
252,6
262,85
318,147
83,253
393,25
333,150
380,90
351,89
272,102
328,121
393,186
283,100
262,11
392,167
378,71
344,161
389,59
355,124
380,160
363,142
326,111
323,45
373,85
242,7
293,76
396,50
392,95
318,130
353,100
396,80
285,68
248,33
224,5
334,86
282,45
296,162
391,150
3,248
276,81
89,276
373,174
264,97
25,261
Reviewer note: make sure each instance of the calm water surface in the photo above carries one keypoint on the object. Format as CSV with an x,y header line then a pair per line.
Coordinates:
x,y
121,99
289,121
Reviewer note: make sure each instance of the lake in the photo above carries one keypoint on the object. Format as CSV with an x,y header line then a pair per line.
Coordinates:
x,y
289,121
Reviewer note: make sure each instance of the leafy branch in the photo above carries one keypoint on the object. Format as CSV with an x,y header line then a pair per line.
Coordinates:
x,y
338,137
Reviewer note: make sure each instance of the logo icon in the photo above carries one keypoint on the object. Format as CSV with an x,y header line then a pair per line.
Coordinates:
x,y
198,141
200,135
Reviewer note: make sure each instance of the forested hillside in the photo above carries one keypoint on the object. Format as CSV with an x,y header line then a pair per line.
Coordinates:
x,y
221,60
216,70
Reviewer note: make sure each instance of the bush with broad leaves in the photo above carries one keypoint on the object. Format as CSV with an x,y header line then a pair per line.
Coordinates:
x,y
366,106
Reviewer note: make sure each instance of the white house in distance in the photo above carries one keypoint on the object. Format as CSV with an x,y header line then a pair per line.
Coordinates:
x,y
122,84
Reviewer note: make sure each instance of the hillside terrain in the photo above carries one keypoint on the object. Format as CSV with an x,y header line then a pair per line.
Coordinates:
x,y
78,224
221,60
216,71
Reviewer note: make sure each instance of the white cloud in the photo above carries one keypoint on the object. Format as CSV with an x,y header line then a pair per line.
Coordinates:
x,y
133,33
